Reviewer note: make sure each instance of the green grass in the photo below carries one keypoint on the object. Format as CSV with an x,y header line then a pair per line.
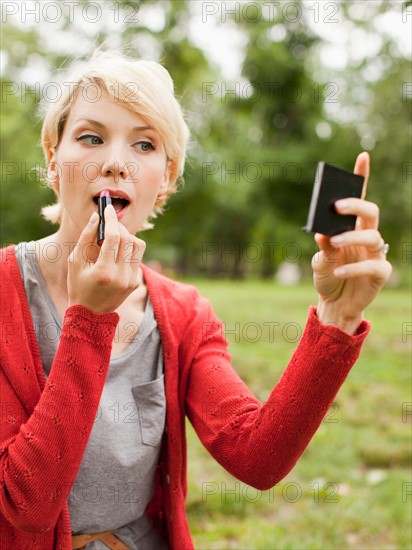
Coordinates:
x,y
346,490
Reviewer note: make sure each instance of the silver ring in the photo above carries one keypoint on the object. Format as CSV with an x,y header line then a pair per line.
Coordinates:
x,y
385,248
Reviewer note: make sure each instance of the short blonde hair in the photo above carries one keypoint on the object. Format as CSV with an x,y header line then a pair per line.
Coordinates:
x,y
144,87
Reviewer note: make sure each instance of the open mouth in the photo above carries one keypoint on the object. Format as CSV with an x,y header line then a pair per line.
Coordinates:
x,y
119,203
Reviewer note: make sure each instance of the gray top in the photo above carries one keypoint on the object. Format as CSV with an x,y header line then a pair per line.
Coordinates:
x,y
116,477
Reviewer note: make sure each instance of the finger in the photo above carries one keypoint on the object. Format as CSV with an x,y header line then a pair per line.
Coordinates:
x,y
327,248
86,240
362,168
110,247
125,245
128,247
369,238
131,250
367,211
322,240
324,261
379,269
134,261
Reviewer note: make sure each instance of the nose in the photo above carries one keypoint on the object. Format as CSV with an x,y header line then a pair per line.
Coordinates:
x,y
116,169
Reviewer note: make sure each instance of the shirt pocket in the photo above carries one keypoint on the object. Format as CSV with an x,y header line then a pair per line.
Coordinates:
x,y
151,405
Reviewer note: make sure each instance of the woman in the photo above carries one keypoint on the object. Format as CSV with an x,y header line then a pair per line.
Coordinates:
x,y
102,357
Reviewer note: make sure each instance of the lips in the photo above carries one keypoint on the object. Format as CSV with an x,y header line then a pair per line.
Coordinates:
x,y
120,200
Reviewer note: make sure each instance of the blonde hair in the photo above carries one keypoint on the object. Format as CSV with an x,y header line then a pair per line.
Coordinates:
x,y
144,87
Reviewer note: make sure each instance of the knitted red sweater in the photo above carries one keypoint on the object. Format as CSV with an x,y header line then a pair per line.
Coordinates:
x,y
45,426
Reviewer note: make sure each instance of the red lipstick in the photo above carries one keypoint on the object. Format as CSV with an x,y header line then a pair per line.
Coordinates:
x,y
103,201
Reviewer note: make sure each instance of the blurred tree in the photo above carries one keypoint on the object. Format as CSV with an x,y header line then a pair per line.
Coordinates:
x,y
378,92
266,150
255,141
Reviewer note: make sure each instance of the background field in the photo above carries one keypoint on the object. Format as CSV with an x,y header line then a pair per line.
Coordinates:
x,y
350,488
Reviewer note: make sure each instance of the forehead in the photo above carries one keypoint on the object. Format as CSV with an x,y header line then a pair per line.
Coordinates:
x,y
93,103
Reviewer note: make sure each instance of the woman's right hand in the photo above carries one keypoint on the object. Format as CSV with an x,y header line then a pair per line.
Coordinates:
x,y
101,278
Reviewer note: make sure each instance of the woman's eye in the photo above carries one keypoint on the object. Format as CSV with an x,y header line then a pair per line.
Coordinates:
x,y
145,146
89,139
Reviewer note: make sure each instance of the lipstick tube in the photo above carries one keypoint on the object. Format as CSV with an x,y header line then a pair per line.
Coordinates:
x,y
103,201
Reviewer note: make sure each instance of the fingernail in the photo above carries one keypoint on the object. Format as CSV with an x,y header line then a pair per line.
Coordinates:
x,y
93,218
337,240
342,204
339,271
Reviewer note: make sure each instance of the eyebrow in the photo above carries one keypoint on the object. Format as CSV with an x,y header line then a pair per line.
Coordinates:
x,y
101,125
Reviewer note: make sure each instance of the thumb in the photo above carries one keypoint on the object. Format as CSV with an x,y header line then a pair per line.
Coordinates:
x,y
87,239
362,168
327,259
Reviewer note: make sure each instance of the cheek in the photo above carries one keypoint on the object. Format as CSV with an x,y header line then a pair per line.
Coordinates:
x,y
74,167
150,176
75,173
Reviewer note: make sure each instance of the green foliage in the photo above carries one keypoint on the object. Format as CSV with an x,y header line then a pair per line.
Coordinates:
x,y
252,158
22,194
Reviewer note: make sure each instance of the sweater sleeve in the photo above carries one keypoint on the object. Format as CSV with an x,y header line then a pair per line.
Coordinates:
x,y
39,464
260,443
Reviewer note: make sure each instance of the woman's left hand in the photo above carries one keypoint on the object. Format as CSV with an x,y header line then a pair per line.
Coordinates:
x,y
351,268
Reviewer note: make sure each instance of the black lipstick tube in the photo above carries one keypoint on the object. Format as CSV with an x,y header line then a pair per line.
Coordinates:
x,y
102,202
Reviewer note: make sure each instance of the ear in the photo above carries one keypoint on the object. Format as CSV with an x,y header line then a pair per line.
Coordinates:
x,y
51,155
166,176
52,169
163,190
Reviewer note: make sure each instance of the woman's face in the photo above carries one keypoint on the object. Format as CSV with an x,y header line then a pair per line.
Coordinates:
x,y
106,146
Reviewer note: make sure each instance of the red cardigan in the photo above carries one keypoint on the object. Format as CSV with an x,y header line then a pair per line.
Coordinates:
x,y
45,426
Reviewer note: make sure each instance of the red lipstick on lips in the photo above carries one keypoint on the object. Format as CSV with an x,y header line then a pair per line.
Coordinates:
x,y
103,201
